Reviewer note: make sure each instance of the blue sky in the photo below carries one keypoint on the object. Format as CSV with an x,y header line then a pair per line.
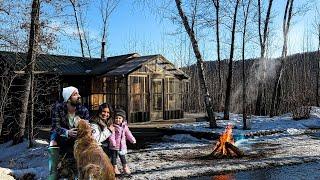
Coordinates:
x,y
129,31
136,29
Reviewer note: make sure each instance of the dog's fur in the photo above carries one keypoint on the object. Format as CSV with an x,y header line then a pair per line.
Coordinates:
x,y
92,162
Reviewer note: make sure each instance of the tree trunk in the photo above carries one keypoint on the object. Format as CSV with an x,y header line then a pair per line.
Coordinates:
x,y
217,6
31,139
1,121
77,23
263,36
106,11
318,71
229,79
85,37
244,91
317,86
18,136
276,95
207,98
31,58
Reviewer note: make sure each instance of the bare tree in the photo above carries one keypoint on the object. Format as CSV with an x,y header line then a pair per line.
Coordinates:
x,y
3,9
190,30
317,33
263,39
85,37
276,95
106,10
246,8
73,3
29,76
217,7
7,77
229,79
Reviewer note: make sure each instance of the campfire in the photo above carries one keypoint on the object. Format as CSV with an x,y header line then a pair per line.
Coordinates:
x,y
225,146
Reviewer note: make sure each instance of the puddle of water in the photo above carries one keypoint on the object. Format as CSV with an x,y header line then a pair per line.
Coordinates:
x,y
304,171
315,135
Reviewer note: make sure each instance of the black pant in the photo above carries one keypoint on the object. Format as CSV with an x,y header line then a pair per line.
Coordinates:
x,y
114,154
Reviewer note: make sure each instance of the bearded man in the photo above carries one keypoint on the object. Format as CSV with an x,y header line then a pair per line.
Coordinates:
x,y
63,132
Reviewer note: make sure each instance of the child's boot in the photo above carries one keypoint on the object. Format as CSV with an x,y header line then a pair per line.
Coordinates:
x,y
126,169
116,170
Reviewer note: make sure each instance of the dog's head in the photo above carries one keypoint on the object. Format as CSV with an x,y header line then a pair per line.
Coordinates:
x,y
84,129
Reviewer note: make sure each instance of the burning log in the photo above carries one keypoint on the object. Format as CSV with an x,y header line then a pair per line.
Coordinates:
x,y
234,149
225,146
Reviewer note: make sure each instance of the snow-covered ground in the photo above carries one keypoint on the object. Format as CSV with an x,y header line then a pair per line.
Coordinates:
x,y
20,159
178,155
259,124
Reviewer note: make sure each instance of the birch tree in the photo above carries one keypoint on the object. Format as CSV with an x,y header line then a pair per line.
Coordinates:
x,y
229,79
190,31
106,9
316,26
74,4
216,4
276,95
263,40
246,8
29,75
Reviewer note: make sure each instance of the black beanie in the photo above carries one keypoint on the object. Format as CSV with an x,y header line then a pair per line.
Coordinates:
x,y
120,112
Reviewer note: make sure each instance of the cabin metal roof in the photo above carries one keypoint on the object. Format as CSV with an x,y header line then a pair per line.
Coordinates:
x,y
72,65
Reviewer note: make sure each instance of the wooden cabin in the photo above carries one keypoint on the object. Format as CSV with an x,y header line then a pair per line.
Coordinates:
x,y
147,87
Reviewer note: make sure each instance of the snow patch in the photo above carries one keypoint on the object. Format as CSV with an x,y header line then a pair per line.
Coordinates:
x,y
293,131
20,159
315,112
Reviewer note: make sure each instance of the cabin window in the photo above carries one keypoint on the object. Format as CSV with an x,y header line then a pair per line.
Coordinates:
x,y
138,93
173,94
157,95
120,99
185,95
96,100
112,90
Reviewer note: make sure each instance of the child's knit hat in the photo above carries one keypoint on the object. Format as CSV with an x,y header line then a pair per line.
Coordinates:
x,y
120,112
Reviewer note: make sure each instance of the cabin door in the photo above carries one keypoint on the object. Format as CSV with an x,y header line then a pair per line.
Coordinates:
x,y
157,99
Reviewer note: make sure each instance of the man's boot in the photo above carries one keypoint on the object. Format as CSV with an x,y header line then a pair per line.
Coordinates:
x,y
53,162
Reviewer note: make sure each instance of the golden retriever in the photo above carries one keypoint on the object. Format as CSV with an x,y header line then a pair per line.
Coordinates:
x,y
92,162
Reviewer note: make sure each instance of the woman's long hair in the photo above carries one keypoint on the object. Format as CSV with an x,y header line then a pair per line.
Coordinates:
x,y
101,107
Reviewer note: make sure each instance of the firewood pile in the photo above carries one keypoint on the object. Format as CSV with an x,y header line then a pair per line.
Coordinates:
x,y
225,147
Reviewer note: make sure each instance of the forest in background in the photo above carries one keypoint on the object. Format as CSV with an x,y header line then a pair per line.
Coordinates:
x,y
298,85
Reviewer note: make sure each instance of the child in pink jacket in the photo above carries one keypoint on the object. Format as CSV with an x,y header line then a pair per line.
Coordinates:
x,y
117,141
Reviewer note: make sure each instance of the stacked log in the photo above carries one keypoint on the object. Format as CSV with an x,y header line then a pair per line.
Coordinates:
x,y
225,147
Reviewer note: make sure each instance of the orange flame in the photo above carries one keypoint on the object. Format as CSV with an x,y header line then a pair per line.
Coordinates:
x,y
224,177
226,136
